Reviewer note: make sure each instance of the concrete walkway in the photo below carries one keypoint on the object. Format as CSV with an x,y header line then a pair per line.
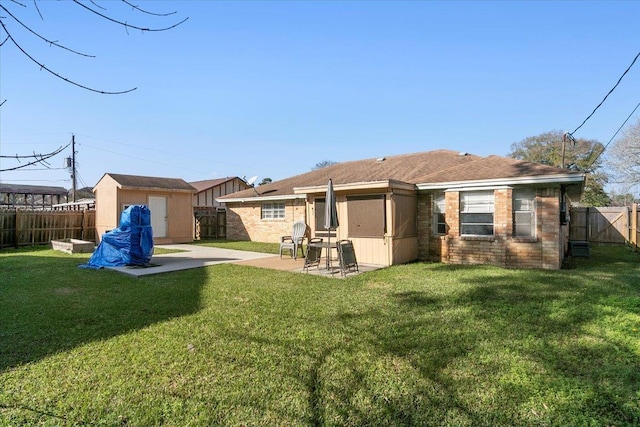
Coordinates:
x,y
195,256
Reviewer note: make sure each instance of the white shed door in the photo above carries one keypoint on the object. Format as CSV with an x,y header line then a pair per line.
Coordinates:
x,y
158,207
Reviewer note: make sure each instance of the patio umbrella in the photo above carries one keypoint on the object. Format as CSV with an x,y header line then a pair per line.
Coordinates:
x,y
330,213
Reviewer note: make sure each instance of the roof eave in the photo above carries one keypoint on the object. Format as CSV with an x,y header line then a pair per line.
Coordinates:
x,y
261,198
526,180
362,185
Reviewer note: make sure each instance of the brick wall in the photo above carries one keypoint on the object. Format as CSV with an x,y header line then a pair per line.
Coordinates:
x,y
501,249
244,221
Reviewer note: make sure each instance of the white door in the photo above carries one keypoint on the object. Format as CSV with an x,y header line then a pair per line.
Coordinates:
x,y
158,208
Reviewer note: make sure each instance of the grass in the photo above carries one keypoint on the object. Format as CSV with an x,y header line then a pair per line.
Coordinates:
x,y
417,344
269,248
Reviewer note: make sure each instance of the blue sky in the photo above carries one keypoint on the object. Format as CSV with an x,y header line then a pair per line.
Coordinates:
x,y
271,88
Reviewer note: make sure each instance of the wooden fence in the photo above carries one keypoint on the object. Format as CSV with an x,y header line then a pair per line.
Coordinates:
x,y
612,225
35,227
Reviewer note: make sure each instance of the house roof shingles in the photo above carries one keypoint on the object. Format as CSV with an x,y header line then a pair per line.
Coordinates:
x,y
438,166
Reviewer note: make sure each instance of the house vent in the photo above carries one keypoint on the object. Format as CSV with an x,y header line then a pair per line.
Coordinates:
x,y
381,159
463,153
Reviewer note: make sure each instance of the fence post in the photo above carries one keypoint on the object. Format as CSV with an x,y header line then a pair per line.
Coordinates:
x,y
634,226
17,233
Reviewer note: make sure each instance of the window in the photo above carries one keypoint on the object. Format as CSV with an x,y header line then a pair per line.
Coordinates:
x,y
439,223
524,216
319,216
476,213
404,215
273,210
367,217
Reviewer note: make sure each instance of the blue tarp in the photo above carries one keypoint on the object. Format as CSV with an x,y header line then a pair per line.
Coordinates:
x,y
129,244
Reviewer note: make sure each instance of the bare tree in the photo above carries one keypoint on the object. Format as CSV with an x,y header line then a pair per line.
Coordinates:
x,y
624,156
15,32
11,25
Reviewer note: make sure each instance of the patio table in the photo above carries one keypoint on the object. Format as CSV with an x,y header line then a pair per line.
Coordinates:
x,y
328,246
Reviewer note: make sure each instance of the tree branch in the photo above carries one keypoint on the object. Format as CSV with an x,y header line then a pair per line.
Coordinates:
x,y
94,10
147,12
124,24
43,67
51,42
39,159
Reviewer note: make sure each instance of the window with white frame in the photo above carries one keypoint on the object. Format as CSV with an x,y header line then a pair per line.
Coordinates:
x,y
273,210
439,211
524,213
476,213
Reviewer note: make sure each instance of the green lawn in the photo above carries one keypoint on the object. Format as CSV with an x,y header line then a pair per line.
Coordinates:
x,y
241,245
418,344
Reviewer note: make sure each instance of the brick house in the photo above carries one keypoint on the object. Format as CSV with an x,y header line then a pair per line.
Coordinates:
x,y
439,205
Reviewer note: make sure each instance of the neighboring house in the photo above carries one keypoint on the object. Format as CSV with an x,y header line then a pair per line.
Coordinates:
x,y
208,190
88,204
210,215
169,199
438,205
31,196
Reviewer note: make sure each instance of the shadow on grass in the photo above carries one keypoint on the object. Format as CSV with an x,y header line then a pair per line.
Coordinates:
x,y
560,335
49,305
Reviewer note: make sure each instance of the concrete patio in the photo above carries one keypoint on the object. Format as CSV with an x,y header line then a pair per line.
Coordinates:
x,y
196,256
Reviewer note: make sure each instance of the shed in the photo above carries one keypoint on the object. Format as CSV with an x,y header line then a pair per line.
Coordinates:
x,y
169,199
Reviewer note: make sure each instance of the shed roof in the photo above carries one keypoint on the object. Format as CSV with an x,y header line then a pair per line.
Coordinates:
x,y
149,182
430,167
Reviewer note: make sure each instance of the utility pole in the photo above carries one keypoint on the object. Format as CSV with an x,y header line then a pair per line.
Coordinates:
x,y
566,136
73,165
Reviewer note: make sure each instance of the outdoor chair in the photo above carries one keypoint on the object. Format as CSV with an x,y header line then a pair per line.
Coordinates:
x,y
313,254
294,242
347,257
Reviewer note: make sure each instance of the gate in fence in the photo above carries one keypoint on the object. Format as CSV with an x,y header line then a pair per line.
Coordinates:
x,y
210,223
610,225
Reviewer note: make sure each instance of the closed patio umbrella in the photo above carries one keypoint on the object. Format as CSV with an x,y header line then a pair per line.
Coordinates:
x,y
330,215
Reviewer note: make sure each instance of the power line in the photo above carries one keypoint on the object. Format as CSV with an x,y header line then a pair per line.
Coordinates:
x,y
38,159
614,135
604,99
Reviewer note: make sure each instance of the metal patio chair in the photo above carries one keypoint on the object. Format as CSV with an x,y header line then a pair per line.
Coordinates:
x,y
347,257
314,253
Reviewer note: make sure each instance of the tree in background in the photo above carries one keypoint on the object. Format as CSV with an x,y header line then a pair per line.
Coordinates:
x,y
624,157
265,181
323,164
582,156
624,198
